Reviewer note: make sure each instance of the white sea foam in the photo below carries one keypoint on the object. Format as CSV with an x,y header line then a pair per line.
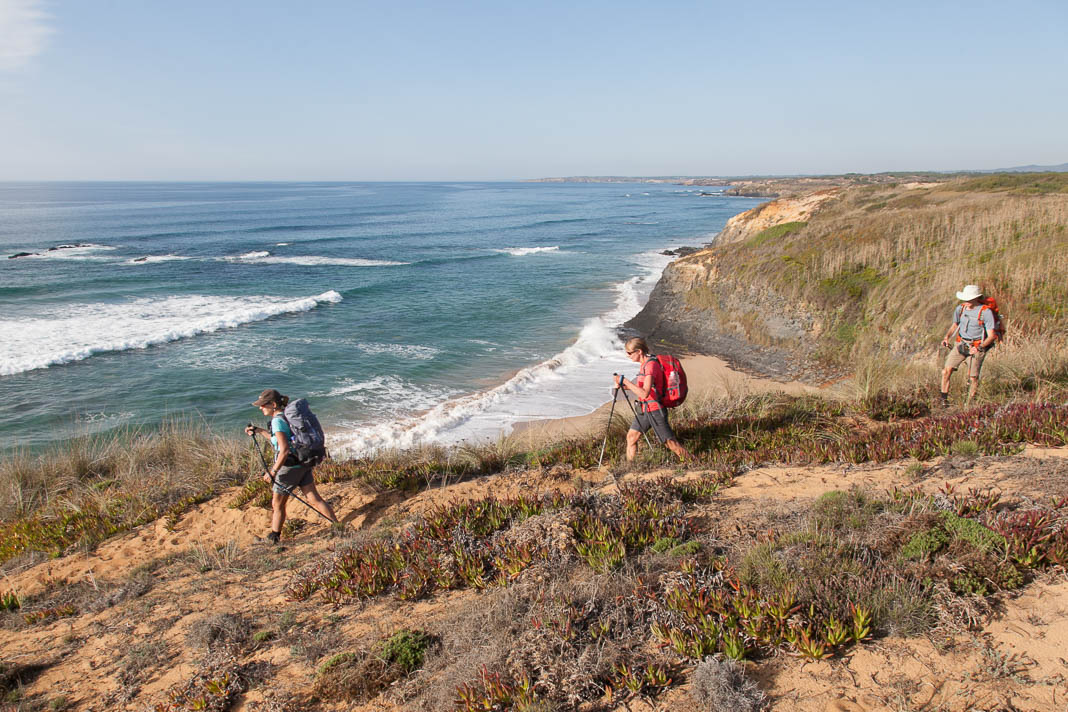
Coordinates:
x,y
389,396
103,417
411,351
266,258
233,353
84,251
573,382
77,331
523,251
281,244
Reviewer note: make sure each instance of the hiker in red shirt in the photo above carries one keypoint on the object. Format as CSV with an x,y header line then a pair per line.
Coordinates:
x,y
650,412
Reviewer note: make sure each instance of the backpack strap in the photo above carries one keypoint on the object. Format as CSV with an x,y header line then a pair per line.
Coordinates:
x,y
655,387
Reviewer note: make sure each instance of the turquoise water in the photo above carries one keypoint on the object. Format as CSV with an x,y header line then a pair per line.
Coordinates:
x,y
404,312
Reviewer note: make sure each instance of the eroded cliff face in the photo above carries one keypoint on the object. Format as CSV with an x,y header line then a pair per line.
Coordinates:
x,y
786,210
697,307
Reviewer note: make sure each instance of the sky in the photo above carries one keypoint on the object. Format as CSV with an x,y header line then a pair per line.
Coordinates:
x,y
496,90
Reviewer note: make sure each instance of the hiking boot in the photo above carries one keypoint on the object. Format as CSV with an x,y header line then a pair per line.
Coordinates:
x,y
272,538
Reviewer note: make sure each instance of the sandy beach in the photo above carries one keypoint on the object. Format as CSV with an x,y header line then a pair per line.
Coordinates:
x,y
707,377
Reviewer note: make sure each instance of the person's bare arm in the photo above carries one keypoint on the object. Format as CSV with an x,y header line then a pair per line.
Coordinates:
x,y
950,334
641,388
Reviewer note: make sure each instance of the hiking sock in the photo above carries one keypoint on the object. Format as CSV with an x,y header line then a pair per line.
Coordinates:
x,y
945,398
273,537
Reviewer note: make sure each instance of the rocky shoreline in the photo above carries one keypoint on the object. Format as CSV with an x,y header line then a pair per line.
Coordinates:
x,y
668,324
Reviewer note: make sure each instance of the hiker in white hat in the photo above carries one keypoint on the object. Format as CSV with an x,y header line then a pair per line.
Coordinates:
x,y
972,332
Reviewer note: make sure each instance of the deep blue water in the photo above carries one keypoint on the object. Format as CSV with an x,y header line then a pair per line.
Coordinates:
x,y
403,311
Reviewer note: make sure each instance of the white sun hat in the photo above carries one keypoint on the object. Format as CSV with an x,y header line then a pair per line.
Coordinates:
x,y
970,292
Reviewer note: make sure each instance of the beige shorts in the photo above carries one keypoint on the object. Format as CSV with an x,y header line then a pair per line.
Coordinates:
x,y
955,359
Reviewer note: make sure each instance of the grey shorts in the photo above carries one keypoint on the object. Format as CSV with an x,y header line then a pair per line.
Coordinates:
x,y
657,420
293,478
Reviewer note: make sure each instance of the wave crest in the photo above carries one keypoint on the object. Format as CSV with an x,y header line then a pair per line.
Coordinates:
x,y
266,258
523,251
77,331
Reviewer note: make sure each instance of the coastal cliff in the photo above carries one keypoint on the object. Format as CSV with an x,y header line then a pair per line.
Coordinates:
x,y
803,287
696,306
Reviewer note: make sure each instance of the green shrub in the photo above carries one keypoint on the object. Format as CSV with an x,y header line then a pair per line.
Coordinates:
x,y
661,545
762,569
335,661
837,510
972,532
924,544
774,233
967,583
965,448
688,548
406,648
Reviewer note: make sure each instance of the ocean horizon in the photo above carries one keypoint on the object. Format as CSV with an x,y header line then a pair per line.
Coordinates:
x,y
407,313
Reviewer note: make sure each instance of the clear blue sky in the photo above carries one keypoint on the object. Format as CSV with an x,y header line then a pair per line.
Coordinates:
x,y
353,90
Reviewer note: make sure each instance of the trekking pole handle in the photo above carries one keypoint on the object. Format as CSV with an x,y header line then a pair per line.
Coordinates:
x,y
266,467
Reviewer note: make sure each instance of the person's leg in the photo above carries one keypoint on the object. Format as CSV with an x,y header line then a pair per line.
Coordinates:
x,y
953,360
632,443
974,369
666,434
318,503
679,449
278,511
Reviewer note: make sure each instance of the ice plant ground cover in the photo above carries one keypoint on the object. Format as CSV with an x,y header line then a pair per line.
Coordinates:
x,y
593,595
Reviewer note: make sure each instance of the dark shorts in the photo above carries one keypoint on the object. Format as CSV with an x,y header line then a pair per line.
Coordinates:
x,y
293,478
657,420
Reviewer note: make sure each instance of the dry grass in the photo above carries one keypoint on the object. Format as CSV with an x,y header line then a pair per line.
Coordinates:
x,y
720,685
879,266
1020,369
178,459
91,487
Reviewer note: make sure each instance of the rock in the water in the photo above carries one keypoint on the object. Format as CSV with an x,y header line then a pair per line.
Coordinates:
x,y
681,251
21,254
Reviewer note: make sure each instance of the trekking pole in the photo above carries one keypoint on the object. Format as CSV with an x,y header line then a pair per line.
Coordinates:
x,y
276,483
615,395
644,434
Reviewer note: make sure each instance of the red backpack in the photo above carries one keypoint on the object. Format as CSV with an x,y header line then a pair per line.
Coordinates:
x,y
673,390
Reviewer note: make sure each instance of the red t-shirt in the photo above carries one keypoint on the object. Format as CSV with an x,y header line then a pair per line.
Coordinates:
x,y
654,374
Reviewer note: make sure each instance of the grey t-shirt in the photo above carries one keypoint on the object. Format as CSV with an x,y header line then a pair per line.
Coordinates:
x,y
971,328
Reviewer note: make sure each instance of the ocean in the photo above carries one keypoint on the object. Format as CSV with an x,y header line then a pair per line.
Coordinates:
x,y
406,313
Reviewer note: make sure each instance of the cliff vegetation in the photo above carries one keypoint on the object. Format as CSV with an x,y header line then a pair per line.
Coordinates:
x,y
823,282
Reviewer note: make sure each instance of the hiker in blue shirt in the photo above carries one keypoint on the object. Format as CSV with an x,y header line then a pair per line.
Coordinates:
x,y
974,332
286,472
